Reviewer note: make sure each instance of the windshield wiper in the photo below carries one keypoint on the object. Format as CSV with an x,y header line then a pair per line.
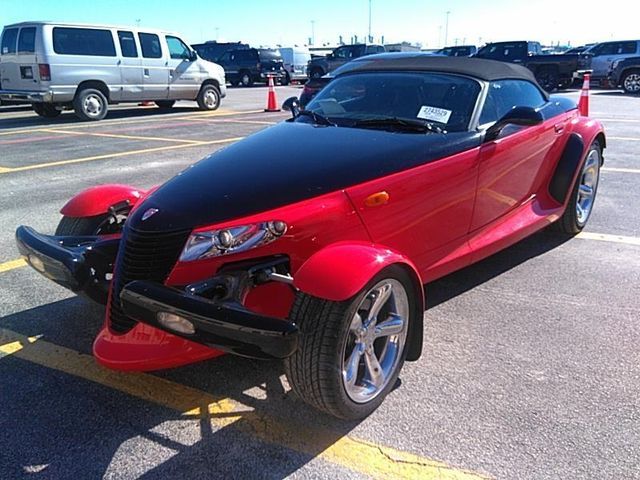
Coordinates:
x,y
316,117
403,123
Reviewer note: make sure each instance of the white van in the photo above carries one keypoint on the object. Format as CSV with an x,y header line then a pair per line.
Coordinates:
x,y
56,66
295,62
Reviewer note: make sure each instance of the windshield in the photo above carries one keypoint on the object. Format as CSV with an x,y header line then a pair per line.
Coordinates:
x,y
445,100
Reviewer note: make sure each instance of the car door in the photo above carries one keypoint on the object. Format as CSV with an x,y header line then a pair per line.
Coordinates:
x,y
184,73
155,72
603,56
341,56
19,67
130,67
510,165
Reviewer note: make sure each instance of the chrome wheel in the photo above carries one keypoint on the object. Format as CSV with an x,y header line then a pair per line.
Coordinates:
x,y
632,83
588,186
245,80
210,99
92,105
376,339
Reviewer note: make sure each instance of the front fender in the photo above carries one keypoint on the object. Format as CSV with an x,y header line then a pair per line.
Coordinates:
x,y
97,200
339,271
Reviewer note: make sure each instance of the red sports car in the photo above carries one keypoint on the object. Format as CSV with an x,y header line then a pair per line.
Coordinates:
x,y
403,170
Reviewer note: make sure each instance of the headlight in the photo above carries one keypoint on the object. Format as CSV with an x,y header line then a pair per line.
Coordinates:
x,y
231,240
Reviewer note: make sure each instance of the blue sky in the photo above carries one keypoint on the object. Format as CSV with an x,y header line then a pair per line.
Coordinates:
x,y
289,22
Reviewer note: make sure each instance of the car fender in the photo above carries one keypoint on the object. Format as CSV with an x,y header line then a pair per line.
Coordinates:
x,y
339,271
97,200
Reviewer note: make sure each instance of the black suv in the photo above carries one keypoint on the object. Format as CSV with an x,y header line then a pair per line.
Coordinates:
x,y
244,67
213,50
320,66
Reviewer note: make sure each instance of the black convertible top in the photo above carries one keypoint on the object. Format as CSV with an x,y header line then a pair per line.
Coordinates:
x,y
474,67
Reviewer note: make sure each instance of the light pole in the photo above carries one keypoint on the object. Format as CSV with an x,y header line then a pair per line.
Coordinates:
x,y
370,21
446,29
313,32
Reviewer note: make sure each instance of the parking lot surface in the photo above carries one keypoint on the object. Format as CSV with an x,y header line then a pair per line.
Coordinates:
x,y
530,367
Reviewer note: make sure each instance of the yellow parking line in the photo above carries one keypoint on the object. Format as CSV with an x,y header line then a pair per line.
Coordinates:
x,y
210,120
620,170
603,237
117,155
12,265
118,135
373,460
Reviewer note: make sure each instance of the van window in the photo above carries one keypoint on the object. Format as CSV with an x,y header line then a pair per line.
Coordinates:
x,y
83,41
150,45
127,44
27,40
9,41
177,49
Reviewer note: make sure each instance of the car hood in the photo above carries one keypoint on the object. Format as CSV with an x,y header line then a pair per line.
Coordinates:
x,y
287,163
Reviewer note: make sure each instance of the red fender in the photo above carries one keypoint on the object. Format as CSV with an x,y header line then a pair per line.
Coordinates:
x,y
97,200
339,271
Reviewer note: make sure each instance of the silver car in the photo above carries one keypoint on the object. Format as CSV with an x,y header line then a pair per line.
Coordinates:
x,y
86,68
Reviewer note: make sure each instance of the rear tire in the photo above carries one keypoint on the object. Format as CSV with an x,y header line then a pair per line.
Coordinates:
x,y
165,104
90,104
548,78
583,195
333,368
46,110
245,79
631,82
316,73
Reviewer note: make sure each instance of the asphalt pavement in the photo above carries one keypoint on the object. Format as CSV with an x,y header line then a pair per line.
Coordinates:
x,y
530,367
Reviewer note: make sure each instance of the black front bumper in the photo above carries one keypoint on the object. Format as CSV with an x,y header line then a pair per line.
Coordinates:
x,y
226,326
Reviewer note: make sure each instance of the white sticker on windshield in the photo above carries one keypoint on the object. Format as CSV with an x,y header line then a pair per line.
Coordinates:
x,y
434,114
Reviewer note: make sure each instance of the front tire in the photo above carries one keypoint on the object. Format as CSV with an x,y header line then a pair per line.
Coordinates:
x,y
351,352
548,78
209,97
245,79
631,82
583,195
316,73
90,104
46,110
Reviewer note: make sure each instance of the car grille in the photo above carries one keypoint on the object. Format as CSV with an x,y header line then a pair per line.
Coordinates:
x,y
144,256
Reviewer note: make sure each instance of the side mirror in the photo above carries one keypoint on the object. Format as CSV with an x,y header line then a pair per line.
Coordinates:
x,y
523,116
292,104
193,56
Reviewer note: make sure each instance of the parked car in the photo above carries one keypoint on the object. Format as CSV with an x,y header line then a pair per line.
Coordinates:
x,y
320,66
551,71
605,53
213,50
57,66
247,66
458,51
413,168
578,49
625,73
295,61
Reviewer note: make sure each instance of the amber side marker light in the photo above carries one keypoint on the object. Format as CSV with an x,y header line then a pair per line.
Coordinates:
x,y
377,199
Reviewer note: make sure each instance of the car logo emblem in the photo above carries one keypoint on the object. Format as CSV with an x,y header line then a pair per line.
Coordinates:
x,y
149,213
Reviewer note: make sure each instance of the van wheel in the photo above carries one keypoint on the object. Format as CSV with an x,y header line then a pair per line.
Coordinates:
x,y
46,110
209,97
90,104
245,79
165,104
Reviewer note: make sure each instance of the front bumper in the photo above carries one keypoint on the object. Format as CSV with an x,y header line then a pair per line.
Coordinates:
x,y
226,325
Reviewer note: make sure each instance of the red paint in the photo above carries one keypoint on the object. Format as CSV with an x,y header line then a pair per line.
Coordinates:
x,y
339,271
97,200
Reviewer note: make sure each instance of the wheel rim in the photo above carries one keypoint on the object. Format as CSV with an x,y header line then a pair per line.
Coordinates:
x,y
375,341
210,99
632,83
245,79
587,187
92,105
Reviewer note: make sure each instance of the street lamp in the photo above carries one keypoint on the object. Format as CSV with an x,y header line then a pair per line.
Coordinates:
x,y
313,32
370,40
446,30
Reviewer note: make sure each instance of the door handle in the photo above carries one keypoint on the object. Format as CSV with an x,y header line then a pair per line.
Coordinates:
x,y
558,128
146,72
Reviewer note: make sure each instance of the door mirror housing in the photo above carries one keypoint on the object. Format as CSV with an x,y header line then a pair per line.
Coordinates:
x,y
523,116
193,56
292,104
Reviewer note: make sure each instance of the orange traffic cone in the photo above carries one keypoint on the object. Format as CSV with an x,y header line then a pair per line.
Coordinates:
x,y
272,103
583,103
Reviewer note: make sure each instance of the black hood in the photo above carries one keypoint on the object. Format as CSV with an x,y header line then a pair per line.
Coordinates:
x,y
287,163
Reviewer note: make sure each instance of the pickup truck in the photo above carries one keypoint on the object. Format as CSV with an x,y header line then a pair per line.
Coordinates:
x,y
625,73
319,66
551,71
